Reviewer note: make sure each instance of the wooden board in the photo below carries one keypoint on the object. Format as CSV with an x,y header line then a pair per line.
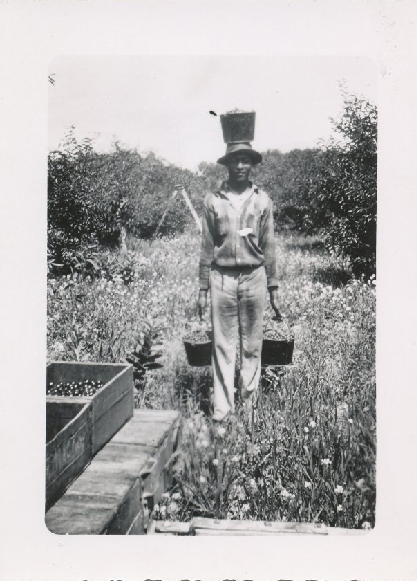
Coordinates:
x,y
69,446
213,527
171,527
256,527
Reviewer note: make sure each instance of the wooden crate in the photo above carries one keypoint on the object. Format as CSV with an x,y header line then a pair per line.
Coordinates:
x,y
69,448
77,427
112,405
107,498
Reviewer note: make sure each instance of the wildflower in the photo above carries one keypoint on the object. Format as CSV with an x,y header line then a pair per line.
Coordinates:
x,y
350,421
202,479
307,484
286,494
59,347
173,507
253,485
339,508
221,432
326,461
204,443
215,462
235,459
163,509
312,424
225,451
306,430
176,496
245,507
366,525
338,489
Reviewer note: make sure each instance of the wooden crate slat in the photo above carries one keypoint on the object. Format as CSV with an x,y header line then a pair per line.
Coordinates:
x,y
70,416
77,514
138,525
97,482
120,458
56,488
147,433
173,527
229,533
62,415
112,391
111,420
68,453
69,371
165,416
127,511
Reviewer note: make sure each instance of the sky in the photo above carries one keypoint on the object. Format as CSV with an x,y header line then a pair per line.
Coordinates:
x,y
162,104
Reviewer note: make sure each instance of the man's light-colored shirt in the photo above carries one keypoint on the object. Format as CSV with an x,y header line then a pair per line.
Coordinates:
x,y
234,237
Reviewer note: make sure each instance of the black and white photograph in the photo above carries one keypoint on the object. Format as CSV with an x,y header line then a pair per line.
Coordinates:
x,y
211,295
207,296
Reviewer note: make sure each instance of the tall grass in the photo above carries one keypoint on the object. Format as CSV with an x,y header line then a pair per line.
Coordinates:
x,y
311,456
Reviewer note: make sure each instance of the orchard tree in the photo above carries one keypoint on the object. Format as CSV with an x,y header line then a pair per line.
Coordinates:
x,y
341,187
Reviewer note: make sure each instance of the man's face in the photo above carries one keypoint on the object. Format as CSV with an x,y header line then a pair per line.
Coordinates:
x,y
239,167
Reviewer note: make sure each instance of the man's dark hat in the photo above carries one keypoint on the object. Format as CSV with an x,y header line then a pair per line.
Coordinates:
x,y
233,148
238,131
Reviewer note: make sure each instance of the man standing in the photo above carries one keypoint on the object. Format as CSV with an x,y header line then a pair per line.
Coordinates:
x,y
237,263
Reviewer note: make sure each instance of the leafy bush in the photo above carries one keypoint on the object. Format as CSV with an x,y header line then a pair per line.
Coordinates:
x,y
340,188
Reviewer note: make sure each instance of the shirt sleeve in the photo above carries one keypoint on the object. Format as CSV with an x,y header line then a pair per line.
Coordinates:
x,y
207,248
267,244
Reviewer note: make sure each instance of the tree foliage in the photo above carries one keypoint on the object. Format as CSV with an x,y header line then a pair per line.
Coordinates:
x,y
92,196
340,188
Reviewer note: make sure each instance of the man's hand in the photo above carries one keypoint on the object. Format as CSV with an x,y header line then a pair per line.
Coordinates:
x,y
202,304
273,296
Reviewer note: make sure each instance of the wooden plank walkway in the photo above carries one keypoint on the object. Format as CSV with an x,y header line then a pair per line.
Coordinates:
x,y
107,498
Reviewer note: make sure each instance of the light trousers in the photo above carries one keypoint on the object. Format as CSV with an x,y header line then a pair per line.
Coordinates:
x,y
238,300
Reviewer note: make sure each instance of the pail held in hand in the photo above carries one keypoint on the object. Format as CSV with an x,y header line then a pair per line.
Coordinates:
x,y
277,352
198,354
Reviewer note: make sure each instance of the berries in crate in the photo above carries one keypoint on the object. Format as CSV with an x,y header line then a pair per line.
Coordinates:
x,y
278,343
197,343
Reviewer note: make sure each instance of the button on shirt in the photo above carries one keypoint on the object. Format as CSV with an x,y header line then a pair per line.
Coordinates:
x,y
238,231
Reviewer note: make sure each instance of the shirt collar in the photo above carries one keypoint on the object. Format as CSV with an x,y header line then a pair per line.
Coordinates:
x,y
224,188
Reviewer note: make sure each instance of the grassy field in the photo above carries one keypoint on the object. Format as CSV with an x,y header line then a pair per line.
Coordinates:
x,y
312,453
